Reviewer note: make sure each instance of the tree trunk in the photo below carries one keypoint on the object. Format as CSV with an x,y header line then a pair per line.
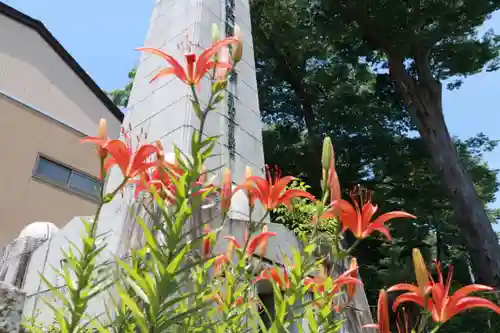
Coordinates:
x,y
423,102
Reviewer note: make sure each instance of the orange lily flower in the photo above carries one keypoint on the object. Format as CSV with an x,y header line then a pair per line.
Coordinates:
x,y
348,279
436,299
218,299
100,140
206,249
383,324
196,67
224,58
255,242
282,280
272,192
358,217
162,180
351,288
120,153
226,191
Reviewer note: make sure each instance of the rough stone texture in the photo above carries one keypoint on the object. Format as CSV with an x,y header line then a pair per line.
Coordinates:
x,y
11,308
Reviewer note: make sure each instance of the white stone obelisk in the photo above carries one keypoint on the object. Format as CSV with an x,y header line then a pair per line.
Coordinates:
x,y
163,109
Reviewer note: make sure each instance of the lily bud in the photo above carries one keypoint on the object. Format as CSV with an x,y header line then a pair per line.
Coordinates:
x,y
102,131
420,269
326,157
351,288
203,176
215,33
160,154
251,196
102,134
262,248
207,244
238,47
226,191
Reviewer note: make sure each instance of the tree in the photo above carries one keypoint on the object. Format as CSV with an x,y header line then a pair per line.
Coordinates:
x,y
422,44
120,96
397,167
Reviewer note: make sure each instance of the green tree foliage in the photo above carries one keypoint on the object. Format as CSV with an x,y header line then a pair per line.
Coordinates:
x,y
421,44
362,112
120,96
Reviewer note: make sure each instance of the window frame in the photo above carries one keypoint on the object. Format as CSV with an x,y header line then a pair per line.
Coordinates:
x,y
65,186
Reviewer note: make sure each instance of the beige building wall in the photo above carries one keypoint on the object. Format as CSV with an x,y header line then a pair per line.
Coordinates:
x,y
24,134
32,72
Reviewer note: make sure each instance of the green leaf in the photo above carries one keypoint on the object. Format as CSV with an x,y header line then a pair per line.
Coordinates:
x,y
174,265
142,295
136,312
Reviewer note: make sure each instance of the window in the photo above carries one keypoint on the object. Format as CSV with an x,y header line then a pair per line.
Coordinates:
x,y
67,178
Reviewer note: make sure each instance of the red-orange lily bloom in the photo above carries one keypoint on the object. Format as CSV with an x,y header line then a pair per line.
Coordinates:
x,y
206,249
226,191
436,299
196,67
348,279
383,324
272,192
218,299
274,273
357,217
163,180
254,242
120,153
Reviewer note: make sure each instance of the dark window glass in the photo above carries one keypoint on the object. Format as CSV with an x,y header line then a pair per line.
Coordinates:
x,y
85,184
52,171
68,178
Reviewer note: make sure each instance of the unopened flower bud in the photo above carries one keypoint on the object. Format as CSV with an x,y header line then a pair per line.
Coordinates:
x,y
326,157
262,248
215,33
226,191
207,244
420,269
160,153
351,288
102,134
229,251
203,175
238,47
102,131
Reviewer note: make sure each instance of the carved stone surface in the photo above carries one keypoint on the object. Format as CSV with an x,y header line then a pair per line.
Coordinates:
x,y
11,308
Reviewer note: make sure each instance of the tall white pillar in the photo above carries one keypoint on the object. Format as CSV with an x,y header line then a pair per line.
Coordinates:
x,y
163,109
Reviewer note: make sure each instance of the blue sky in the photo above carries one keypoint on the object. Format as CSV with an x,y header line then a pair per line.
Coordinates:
x,y
102,36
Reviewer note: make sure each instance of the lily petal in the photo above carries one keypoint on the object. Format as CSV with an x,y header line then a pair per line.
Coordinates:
x,y
258,240
120,153
178,69
379,221
408,297
233,240
467,303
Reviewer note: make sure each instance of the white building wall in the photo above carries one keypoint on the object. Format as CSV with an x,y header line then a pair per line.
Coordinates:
x,y
34,74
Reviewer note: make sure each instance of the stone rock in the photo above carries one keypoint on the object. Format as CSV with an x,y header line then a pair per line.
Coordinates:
x,y
11,308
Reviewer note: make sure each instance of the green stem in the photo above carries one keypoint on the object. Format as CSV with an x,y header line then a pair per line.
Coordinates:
x,y
101,200
435,329
318,217
353,246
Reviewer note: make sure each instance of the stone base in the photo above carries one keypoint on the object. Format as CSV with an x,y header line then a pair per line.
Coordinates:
x,y
11,308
